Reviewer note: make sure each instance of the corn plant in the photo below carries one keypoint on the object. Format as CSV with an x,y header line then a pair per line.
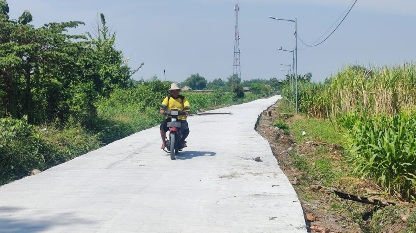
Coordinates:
x,y
313,99
384,148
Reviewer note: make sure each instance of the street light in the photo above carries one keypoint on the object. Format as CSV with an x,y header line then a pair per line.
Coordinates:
x,y
293,65
290,68
296,53
293,55
288,71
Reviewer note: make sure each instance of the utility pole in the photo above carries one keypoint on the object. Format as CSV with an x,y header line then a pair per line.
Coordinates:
x,y
296,70
237,67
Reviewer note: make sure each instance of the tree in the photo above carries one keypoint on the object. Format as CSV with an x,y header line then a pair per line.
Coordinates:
x,y
25,18
111,69
16,47
238,91
233,81
275,84
196,82
4,9
37,67
305,78
47,74
256,88
9,82
216,84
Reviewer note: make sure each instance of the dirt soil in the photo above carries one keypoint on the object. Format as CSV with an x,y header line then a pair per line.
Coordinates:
x,y
324,210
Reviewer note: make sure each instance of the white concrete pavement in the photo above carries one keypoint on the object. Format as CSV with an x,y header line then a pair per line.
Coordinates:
x,y
133,186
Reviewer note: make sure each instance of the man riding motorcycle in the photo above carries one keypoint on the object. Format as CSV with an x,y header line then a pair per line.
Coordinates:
x,y
175,101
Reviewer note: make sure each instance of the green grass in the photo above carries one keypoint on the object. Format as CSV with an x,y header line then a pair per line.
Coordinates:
x,y
325,171
286,107
391,216
321,150
283,126
299,161
319,130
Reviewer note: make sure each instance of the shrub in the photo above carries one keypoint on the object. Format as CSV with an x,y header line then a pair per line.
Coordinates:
x,y
283,126
21,150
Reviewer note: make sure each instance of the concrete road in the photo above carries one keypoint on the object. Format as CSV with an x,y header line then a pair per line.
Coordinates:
x,y
131,185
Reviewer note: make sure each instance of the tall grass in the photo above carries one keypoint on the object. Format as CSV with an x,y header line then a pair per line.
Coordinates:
x,y
376,91
314,99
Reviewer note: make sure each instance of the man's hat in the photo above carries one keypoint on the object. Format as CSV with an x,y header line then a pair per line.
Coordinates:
x,y
174,86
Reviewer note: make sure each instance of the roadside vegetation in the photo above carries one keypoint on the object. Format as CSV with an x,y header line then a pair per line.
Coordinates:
x,y
63,95
354,150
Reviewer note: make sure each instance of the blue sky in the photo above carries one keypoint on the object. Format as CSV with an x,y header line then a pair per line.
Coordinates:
x,y
185,37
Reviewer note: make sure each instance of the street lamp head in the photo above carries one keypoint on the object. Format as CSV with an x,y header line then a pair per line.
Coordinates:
x,y
280,48
290,20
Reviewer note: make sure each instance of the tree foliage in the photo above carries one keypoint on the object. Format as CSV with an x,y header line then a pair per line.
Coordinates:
x,y
216,84
112,69
4,9
234,80
49,75
196,82
25,18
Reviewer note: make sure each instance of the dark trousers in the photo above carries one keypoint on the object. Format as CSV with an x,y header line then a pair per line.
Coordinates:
x,y
184,127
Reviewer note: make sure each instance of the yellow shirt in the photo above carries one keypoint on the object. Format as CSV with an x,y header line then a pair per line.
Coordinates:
x,y
176,104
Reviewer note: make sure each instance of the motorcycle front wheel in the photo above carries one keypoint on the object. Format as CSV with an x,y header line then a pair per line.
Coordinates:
x,y
172,146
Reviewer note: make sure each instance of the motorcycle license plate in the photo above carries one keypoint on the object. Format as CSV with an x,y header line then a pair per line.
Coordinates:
x,y
174,124
174,112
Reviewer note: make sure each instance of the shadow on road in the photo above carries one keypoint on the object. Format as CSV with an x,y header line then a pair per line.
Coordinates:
x,y
34,224
192,154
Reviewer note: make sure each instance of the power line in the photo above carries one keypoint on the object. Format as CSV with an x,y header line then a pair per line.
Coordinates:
x,y
333,25
339,24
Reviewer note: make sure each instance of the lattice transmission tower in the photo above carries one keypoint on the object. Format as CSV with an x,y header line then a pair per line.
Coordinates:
x,y
237,52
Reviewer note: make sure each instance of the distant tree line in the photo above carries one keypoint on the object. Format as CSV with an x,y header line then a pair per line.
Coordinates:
x,y
233,83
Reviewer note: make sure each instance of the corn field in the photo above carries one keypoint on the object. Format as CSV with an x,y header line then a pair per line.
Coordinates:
x,y
356,89
376,107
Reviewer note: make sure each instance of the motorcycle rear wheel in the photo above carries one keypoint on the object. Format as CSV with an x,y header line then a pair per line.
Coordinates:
x,y
172,146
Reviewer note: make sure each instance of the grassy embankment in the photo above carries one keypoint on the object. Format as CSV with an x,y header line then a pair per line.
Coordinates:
x,y
363,124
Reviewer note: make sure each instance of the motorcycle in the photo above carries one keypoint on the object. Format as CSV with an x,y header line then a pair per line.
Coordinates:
x,y
175,133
